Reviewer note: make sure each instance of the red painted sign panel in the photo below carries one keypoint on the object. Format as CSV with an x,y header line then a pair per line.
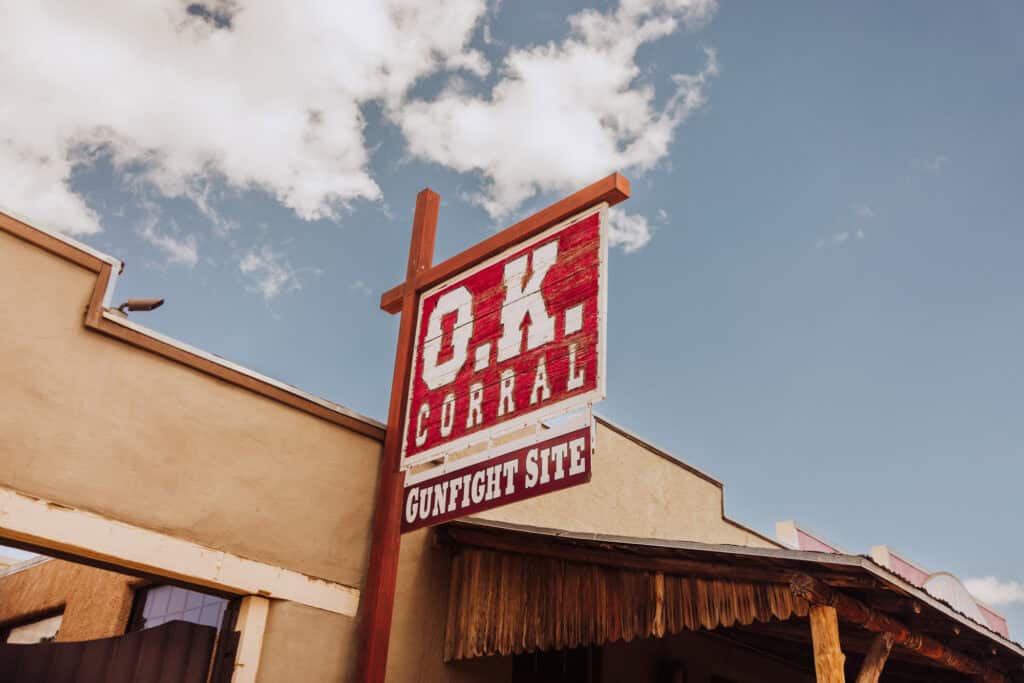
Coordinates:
x,y
551,464
515,340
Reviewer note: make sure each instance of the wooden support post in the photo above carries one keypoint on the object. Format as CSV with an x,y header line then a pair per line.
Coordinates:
x,y
378,595
829,661
875,660
856,612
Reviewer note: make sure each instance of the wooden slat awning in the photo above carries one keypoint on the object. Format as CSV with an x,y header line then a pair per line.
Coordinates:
x,y
520,589
502,603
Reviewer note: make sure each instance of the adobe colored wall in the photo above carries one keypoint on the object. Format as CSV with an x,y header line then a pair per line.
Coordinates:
x,y
93,423
633,492
96,424
97,603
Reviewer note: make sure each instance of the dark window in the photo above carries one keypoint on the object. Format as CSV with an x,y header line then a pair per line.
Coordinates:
x,y
159,604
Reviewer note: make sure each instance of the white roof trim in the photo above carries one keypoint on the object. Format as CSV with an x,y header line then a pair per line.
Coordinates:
x,y
329,405
23,565
117,264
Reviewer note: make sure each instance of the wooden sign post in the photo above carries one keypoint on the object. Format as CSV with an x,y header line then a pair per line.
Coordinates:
x,y
411,439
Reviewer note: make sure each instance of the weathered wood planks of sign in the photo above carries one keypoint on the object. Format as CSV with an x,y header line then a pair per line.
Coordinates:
x,y
553,460
501,347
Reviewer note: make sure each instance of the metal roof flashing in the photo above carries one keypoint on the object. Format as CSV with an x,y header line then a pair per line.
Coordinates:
x,y
115,263
123,320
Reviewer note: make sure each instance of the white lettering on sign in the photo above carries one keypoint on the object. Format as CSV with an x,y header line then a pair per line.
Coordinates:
x,y
436,374
524,303
517,338
555,463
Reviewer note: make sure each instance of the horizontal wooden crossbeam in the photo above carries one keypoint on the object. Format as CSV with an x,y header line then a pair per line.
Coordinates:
x,y
611,190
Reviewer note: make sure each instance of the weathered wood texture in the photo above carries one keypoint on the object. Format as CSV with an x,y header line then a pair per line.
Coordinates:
x,y
469,349
829,661
612,189
382,572
501,603
856,612
175,651
874,661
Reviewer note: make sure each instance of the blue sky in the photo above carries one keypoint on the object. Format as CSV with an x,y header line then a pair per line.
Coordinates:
x,y
816,292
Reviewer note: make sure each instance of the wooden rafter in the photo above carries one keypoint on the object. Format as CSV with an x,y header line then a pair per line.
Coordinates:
x,y
856,612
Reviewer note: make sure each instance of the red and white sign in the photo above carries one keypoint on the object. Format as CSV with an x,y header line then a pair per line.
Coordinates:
x,y
551,462
512,341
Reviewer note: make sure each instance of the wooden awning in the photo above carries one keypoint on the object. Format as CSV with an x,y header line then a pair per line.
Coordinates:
x,y
522,589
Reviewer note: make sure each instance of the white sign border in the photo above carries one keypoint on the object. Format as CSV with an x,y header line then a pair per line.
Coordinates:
x,y
540,414
576,422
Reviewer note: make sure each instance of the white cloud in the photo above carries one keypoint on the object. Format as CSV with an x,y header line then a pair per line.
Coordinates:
x,y
269,272
197,100
937,163
995,591
183,251
563,114
855,223
361,287
864,211
933,164
251,93
629,231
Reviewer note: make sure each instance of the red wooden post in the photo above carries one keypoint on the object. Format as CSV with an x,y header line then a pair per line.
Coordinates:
x,y
378,595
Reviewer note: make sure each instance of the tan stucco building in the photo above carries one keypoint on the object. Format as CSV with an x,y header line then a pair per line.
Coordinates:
x,y
128,450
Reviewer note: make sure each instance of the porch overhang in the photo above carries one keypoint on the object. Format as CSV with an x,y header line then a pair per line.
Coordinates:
x,y
517,589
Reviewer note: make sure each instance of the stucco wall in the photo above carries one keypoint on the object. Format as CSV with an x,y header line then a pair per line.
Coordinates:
x,y
634,491
93,423
96,424
96,603
306,644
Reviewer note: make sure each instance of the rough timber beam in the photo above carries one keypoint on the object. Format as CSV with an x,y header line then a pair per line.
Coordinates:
x,y
611,189
856,612
875,660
